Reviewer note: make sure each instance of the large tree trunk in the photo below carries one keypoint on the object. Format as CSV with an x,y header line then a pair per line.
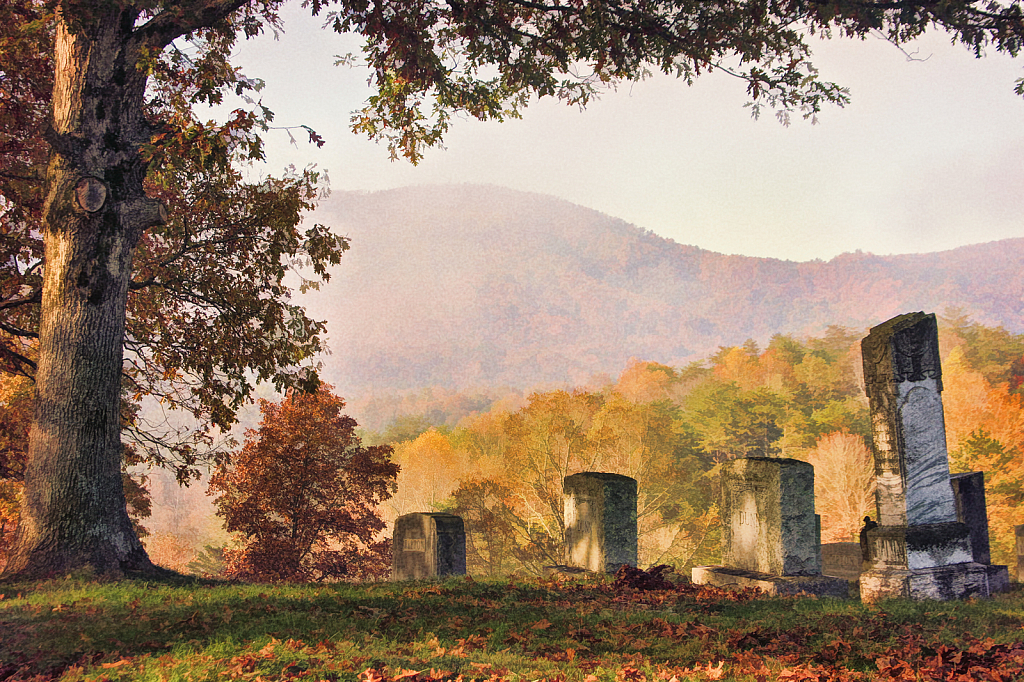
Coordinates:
x,y
73,511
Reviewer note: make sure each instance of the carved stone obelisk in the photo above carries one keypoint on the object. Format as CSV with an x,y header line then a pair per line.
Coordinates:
x,y
919,549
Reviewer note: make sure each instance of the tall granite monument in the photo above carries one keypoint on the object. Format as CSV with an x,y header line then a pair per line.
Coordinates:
x,y
919,549
600,521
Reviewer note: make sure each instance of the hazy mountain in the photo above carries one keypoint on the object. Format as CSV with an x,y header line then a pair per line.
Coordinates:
x,y
474,286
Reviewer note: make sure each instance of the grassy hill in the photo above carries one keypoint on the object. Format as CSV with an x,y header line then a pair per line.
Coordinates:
x,y
573,630
481,286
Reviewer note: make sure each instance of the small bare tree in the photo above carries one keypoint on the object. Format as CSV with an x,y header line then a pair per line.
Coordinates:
x,y
844,484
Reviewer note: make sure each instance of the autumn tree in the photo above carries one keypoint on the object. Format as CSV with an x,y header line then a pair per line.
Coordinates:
x,y
430,471
303,495
205,311
428,61
985,432
729,422
15,421
15,418
513,501
494,532
844,484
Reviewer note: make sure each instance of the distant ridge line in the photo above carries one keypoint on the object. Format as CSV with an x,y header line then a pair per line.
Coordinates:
x,y
472,285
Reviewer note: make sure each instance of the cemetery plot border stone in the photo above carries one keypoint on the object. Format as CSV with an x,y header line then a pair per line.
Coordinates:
x,y
428,545
600,521
774,585
842,560
920,549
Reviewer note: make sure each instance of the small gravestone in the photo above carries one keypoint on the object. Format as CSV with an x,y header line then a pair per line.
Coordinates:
x,y
842,560
971,510
771,535
919,549
600,521
428,546
1019,532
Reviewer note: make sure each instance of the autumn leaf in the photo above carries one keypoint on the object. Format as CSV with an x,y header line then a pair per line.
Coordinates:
x,y
713,672
371,675
268,650
117,664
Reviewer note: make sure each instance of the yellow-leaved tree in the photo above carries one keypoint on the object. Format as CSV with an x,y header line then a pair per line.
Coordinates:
x,y
844,484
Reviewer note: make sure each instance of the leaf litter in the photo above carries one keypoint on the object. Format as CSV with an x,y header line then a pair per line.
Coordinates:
x,y
643,626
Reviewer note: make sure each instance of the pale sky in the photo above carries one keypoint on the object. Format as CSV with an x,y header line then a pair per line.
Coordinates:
x,y
928,156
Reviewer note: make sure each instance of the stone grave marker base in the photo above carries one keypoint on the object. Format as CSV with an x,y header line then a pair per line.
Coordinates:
x,y
775,585
953,581
559,569
998,578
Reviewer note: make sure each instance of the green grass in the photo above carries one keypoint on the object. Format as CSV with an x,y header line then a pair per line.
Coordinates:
x,y
588,630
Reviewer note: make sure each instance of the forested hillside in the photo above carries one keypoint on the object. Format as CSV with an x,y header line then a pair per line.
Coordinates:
x,y
480,286
499,459
671,428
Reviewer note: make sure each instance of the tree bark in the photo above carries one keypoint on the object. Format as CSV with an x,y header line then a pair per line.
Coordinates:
x,y
73,512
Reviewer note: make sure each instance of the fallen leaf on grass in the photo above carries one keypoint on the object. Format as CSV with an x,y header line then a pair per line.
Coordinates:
x,y
371,675
117,664
712,672
268,650
472,643
628,673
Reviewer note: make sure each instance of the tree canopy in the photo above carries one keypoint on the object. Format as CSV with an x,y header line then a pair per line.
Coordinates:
x,y
303,495
138,261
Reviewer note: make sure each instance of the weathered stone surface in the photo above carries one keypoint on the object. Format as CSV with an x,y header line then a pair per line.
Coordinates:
x,y
998,578
600,521
842,560
921,549
904,384
969,494
924,546
956,581
768,516
428,546
780,585
771,536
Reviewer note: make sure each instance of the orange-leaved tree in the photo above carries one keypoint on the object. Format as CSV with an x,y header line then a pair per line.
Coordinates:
x,y
985,432
303,494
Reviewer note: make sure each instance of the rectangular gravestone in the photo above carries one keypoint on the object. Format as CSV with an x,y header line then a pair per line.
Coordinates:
x,y
600,521
971,510
428,546
1019,532
771,535
919,549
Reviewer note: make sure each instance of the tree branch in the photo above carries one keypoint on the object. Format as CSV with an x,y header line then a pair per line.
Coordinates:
x,y
184,17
